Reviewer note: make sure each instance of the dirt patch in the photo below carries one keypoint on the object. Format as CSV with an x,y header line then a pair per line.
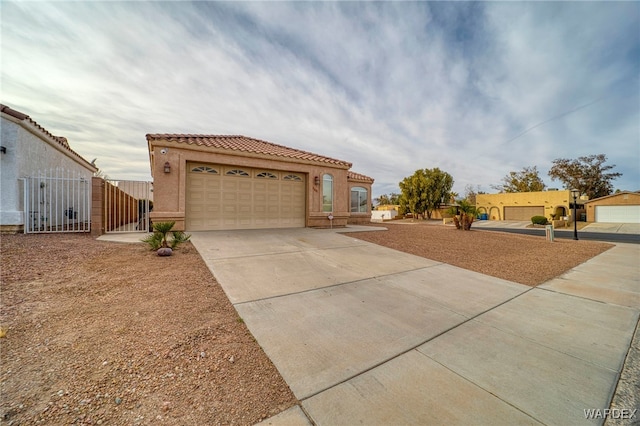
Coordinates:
x,y
109,333
523,259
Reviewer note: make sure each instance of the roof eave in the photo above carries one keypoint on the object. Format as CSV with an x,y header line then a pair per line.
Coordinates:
x,y
34,128
164,142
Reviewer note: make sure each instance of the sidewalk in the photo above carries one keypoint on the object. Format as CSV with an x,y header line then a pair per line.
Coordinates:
x,y
613,228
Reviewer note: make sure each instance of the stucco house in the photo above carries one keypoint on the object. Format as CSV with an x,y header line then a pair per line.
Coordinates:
x,y
623,207
29,150
525,205
215,182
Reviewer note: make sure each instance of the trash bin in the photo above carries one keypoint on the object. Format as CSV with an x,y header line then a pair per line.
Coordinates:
x,y
484,216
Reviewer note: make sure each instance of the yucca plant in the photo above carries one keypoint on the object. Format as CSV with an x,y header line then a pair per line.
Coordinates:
x,y
160,238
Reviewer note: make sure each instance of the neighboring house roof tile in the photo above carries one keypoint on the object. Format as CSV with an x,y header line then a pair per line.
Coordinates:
x,y
59,139
358,177
245,144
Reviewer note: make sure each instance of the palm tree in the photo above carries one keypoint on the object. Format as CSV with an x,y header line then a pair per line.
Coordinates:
x,y
463,214
160,237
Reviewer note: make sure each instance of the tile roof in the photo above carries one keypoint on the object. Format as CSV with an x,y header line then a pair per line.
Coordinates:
x,y
357,176
59,139
245,144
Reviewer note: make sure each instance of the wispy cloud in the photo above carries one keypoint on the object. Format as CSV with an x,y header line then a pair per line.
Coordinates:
x,y
477,89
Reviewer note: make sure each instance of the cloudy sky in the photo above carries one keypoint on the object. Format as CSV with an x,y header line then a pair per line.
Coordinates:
x,y
476,89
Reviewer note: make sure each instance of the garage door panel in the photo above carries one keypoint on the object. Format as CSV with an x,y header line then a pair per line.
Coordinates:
x,y
229,209
263,199
618,214
522,212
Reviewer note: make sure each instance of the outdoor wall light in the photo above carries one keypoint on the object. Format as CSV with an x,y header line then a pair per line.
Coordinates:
x,y
317,180
3,149
167,167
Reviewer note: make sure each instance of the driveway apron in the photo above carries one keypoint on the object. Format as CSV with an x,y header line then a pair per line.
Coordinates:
x,y
366,334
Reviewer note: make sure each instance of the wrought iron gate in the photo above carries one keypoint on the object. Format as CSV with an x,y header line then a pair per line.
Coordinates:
x,y
127,204
57,201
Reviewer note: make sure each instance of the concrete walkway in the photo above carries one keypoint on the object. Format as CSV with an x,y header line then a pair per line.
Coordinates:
x,y
611,228
368,335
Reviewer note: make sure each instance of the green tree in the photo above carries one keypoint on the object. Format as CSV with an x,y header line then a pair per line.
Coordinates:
x,y
526,180
382,200
425,190
392,199
587,174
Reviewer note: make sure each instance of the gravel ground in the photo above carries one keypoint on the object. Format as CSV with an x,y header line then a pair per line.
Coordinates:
x,y
523,259
627,394
109,333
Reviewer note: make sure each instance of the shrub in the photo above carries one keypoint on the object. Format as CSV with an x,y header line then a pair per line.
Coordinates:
x,y
539,220
160,236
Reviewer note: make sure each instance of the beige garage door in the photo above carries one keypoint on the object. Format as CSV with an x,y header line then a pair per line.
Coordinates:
x,y
228,197
522,213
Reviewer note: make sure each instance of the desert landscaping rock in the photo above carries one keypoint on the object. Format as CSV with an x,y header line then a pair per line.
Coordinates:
x,y
109,333
164,251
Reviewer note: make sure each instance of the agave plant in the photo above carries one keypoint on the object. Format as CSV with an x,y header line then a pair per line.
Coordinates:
x,y
160,238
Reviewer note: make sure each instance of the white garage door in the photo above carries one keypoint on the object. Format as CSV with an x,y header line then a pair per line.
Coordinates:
x,y
618,214
228,197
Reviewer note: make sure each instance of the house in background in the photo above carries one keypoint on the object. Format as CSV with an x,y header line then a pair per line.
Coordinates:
x,y
623,207
215,182
29,150
524,205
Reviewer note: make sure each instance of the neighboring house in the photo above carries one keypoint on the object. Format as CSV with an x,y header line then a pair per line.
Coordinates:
x,y
386,207
525,205
623,207
384,212
211,182
28,149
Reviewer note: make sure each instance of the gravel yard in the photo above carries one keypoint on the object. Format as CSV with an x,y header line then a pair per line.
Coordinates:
x,y
110,333
523,259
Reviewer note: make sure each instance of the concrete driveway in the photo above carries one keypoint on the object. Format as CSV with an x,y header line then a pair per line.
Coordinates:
x,y
368,335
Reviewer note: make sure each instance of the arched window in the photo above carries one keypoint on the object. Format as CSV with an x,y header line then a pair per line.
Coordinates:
x,y
204,169
327,193
359,200
237,172
266,175
295,178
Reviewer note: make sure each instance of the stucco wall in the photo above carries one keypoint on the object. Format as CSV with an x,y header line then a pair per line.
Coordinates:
x,y
29,153
623,199
170,188
494,204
